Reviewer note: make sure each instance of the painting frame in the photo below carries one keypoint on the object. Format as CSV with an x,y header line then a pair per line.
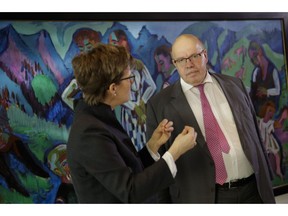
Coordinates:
x,y
162,16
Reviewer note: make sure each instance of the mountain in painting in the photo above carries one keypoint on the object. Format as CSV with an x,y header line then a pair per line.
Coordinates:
x,y
32,63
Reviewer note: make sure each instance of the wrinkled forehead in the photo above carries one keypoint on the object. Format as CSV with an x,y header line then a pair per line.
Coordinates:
x,y
185,46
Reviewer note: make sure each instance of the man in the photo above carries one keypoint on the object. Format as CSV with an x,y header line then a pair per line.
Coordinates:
x,y
248,177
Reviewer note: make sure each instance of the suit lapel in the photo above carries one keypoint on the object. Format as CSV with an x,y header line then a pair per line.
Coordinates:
x,y
230,94
187,117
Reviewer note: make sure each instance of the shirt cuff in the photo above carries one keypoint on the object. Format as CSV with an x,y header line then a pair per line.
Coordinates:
x,y
156,157
170,162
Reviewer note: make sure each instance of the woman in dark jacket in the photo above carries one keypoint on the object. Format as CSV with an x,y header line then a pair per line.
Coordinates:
x,y
104,165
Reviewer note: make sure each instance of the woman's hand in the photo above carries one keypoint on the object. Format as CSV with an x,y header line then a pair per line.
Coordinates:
x,y
160,135
185,141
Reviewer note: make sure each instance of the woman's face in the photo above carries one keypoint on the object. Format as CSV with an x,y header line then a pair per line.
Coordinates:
x,y
124,86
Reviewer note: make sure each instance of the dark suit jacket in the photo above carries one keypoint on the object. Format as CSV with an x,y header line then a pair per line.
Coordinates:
x,y
195,179
104,164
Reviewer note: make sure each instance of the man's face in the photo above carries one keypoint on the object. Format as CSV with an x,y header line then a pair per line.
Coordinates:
x,y
190,60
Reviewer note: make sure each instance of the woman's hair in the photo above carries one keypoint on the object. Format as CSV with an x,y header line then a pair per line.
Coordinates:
x,y
97,69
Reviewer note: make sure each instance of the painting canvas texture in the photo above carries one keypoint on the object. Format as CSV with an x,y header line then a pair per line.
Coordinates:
x,y
37,89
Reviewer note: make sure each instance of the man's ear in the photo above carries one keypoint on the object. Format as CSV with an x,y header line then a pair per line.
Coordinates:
x,y
206,56
174,63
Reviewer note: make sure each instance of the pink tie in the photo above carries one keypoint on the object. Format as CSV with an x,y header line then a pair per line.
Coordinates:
x,y
215,138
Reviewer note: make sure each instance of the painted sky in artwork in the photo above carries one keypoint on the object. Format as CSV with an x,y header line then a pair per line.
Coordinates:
x,y
61,32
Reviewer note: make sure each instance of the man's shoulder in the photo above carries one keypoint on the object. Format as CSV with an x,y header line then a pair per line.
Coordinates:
x,y
225,77
165,93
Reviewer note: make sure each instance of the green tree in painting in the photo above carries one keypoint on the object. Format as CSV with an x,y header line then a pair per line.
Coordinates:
x,y
43,95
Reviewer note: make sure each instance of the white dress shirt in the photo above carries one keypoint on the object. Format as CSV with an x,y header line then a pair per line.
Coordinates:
x,y
236,163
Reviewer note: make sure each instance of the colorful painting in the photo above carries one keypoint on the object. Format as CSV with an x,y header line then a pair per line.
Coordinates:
x,y
37,89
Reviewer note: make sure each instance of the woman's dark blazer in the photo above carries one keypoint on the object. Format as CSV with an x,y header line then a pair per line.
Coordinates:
x,y
104,164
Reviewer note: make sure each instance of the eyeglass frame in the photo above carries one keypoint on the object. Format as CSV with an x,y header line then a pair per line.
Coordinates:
x,y
125,78
191,58
130,77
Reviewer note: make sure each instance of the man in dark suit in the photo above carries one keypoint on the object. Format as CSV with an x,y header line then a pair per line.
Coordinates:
x,y
247,172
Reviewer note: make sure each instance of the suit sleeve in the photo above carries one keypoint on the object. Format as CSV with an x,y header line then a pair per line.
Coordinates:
x,y
145,156
250,104
152,122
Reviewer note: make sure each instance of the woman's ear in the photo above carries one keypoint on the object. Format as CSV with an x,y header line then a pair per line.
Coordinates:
x,y
112,89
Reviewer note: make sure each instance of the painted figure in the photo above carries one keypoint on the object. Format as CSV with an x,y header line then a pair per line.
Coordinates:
x,y
271,143
85,39
165,66
133,112
265,83
57,162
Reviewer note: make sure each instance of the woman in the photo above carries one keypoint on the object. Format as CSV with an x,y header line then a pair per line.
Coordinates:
x,y
104,164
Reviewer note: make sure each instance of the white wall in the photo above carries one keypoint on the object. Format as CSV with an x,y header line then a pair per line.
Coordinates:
x,y
282,198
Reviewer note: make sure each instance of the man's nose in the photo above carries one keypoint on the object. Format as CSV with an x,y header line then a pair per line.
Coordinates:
x,y
189,62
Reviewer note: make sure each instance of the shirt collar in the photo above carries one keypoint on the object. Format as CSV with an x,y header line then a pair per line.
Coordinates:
x,y
187,86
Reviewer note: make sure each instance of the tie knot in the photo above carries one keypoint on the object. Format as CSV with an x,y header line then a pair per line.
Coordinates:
x,y
201,87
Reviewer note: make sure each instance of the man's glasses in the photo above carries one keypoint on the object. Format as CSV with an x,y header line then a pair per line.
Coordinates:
x,y
182,61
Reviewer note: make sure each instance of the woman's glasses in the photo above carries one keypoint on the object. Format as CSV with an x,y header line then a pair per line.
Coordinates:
x,y
132,78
